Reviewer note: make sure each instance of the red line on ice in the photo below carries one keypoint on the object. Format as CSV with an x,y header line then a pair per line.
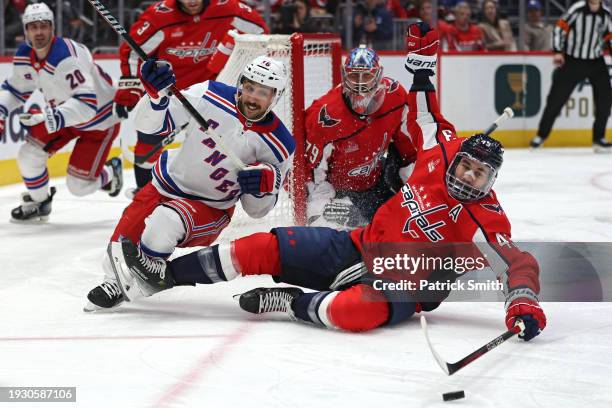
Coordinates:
x,y
595,181
207,361
69,338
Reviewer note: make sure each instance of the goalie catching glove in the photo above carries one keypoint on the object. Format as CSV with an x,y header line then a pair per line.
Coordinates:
x,y
261,178
522,303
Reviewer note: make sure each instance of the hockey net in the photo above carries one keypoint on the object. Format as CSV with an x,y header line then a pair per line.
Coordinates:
x,y
313,65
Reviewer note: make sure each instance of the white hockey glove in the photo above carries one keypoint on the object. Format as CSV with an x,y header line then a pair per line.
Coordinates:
x,y
343,213
52,117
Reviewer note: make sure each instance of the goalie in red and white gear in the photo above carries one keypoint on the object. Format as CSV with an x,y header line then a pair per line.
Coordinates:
x,y
192,35
356,143
78,96
447,205
195,188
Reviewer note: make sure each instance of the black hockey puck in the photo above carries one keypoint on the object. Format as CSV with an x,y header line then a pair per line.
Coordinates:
x,y
450,396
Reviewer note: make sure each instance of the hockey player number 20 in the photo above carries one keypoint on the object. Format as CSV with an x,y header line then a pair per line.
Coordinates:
x,y
75,79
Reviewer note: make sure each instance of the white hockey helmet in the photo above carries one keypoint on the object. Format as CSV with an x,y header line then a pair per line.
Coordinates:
x,y
37,12
266,71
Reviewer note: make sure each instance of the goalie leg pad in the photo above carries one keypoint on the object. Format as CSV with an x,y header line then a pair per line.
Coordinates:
x,y
312,257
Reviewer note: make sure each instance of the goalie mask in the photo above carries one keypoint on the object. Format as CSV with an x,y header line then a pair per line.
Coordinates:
x,y
361,81
261,83
474,168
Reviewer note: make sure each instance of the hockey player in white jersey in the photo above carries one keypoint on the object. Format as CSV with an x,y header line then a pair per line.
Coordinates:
x,y
78,96
195,188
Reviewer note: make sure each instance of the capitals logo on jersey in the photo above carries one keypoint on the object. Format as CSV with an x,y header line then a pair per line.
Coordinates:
x,y
325,120
419,208
197,52
162,8
368,167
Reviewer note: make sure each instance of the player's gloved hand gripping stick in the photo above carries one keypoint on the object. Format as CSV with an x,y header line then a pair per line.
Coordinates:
x,y
118,28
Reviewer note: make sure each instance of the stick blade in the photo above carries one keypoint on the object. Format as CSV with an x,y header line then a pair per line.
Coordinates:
x,y
443,364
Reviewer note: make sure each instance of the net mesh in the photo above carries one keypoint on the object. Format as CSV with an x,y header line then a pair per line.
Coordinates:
x,y
316,81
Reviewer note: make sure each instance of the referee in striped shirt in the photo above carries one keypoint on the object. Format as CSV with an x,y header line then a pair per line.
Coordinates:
x,y
578,41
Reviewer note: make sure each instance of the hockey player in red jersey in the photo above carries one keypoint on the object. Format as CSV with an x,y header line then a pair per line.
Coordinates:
x,y
448,199
356,142
193,35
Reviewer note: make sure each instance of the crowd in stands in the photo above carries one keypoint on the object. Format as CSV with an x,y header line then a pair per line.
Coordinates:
x,y
464,25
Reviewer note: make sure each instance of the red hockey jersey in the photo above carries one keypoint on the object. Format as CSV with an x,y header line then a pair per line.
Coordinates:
x,y
187,42
423,211
356,144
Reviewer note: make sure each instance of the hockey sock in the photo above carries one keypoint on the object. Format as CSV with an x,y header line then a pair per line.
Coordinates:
x,y
208,265
38,186
106,175
143,176
257,254
312,307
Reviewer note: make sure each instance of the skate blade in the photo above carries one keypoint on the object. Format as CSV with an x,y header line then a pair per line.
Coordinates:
x,y
602,150
38,220
128,283
91,308
122,274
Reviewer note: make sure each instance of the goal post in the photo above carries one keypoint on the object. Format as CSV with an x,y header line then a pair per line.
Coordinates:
x,y
313,67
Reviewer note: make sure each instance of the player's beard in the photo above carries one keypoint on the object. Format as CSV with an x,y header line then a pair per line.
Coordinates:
x,y
252,111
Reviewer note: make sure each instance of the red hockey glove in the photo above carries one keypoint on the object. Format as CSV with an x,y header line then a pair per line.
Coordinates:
x,y
129,92
528,310
422,46
262,178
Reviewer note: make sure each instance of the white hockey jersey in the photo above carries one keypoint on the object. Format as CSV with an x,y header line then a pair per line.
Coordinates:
x,y
70,82
199,170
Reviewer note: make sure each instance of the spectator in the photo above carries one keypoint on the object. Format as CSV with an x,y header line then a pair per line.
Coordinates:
x,y
13,29
462,34
373,25
295,17
425,9
403,8
497,31
538,35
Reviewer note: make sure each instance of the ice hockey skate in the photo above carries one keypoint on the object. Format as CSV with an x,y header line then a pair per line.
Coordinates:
x,y
138,275
265,300
114,186
31,211
602,146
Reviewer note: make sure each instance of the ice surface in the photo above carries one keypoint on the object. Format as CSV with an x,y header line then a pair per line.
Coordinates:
x,y
193,347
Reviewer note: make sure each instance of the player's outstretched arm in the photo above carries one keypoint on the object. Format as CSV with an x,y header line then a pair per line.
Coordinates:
x,y
519,271
425,124
158,113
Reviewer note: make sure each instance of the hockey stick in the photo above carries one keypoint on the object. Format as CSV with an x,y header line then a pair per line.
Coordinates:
x,y
139,159
508,113
118,28
451,368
